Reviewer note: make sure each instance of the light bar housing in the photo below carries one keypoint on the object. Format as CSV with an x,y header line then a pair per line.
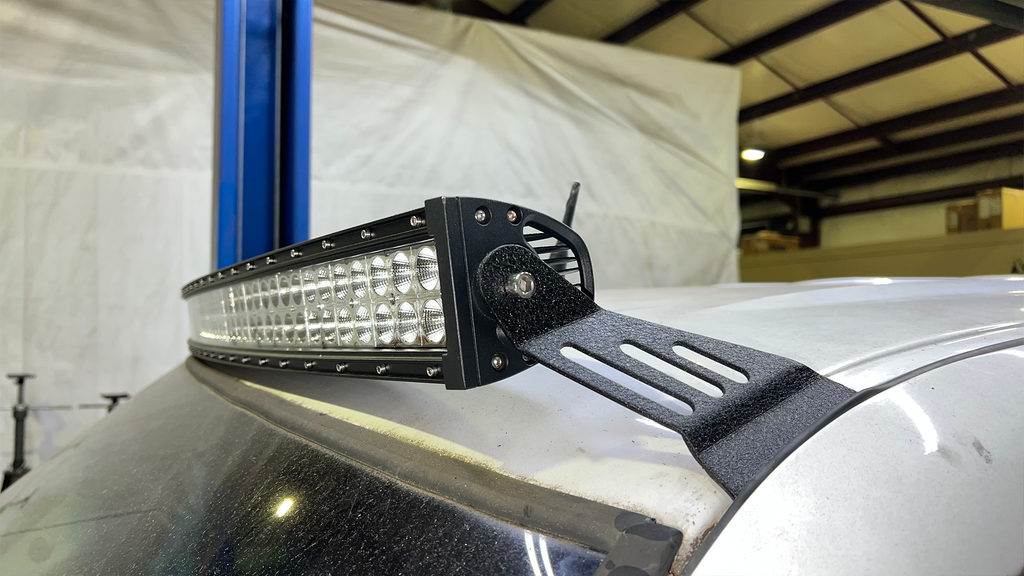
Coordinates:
x,y
462,231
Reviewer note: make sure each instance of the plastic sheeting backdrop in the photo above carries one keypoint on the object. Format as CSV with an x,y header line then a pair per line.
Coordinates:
x,y
106,116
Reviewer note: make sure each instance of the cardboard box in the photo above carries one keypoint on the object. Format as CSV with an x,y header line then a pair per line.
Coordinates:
x,y
990,209
1012,201
962,217
767,241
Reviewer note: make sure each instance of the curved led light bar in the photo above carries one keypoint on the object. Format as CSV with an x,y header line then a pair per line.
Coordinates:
x,y
390,299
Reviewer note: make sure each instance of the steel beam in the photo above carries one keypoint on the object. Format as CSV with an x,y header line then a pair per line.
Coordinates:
x,y
797,29
930,54
1005,150
525,9
1001,13
991,129
951,111
926,197
661,13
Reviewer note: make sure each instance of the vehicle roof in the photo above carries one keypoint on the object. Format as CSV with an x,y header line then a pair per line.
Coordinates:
x,y
545,429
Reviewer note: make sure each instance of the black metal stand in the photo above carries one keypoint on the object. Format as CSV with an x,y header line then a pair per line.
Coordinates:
x,y
114,400
20,410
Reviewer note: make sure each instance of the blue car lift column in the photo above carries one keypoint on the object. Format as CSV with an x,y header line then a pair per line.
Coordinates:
x,y
261,147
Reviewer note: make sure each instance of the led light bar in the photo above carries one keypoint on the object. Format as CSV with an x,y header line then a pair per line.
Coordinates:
x,y
391,299
470,291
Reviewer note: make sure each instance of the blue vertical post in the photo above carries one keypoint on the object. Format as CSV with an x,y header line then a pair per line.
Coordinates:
x,y
262,130
296,84
226,132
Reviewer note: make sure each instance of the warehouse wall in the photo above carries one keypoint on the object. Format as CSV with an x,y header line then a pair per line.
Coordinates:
x,y
411,103
105,155
909,222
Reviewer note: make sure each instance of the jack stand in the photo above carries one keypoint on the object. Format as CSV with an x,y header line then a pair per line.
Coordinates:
x,y
20,410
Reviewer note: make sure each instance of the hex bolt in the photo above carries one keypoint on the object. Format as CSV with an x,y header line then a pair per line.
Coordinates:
x,y
498,362
522,285
433,371
382,369
296,252
365,234
341,367
482,216
513,216
416,221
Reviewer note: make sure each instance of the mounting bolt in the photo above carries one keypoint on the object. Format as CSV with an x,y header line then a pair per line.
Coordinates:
x,y
220,275
234,272
296,252
309,364
232,358
433,371
341,367
416,221
283,363
365,234
220,356
382,369
513,216
482,216
326,244
271,260
245,359
250,266
498,362
522,284
264,361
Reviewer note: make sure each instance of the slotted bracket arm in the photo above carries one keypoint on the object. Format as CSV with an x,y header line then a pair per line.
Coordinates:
x,y
732,436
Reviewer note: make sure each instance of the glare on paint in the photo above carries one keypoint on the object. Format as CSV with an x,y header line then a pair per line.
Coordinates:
x,y
285,506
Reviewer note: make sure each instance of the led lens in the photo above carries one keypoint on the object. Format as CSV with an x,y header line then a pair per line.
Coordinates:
x,y
432,320
408,323
357,279
323,283
379,276
426,268
363,326
340,281
346,329
384,320
401,272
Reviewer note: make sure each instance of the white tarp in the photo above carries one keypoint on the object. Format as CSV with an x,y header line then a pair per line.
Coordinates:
x,y
106,118
410,103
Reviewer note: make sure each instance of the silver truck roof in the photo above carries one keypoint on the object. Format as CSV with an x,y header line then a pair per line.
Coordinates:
x,y
545,429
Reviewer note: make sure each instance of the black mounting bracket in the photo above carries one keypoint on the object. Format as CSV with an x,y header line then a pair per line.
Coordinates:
x,y
733,436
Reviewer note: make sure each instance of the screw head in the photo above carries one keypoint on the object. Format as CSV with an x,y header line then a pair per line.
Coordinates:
x,y
482,215
308,364
271,260
231,358
250,266
296,252
433,371
522,284
264,361
245,359
498,362
512,215
220,275
382,369
365,234
326,244
341,367
416,221
234,271
283,363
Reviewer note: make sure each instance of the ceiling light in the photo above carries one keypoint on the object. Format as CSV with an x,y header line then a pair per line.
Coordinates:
x,y
752,154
